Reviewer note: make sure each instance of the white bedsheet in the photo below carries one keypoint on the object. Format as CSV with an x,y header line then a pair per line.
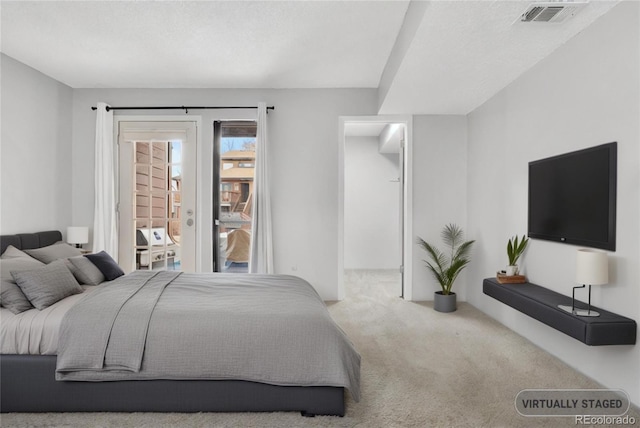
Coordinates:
x,y
35,332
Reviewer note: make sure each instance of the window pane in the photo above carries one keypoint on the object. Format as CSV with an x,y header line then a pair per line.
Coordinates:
x,y
142,153
159,153
237,170
142,178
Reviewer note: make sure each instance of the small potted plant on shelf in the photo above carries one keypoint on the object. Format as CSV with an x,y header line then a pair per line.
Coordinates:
x,y
515,248
446,267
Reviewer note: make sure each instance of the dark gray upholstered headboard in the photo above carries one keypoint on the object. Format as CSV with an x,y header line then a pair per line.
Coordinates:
x,y
26,241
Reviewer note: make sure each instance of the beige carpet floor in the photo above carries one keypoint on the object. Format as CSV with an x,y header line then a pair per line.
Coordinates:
x,y
420,368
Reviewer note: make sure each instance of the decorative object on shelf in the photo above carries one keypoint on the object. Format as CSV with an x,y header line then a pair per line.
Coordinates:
x,y
592,267
515,249
445,268
77,235
503,278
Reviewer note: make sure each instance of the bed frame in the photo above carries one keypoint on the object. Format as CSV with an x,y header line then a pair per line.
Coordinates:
x,y
29,385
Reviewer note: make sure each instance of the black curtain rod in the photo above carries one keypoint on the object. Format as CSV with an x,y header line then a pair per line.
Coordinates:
x,y
185,108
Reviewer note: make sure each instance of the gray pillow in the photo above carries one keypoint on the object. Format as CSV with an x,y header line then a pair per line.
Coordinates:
x,y
59,250
13,253
85,271
48,284
11,296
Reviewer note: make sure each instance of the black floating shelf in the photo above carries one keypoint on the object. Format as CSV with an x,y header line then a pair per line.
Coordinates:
x,y
542,304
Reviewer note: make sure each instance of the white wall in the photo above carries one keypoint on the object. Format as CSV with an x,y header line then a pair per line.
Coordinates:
x,y
371,206
584,94
439,191
35,175
303,156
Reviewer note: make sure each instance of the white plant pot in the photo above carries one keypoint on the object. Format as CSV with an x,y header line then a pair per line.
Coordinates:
x,y
512,270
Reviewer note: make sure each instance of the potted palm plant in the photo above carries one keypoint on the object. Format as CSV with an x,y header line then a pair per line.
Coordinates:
x,y
515,249
445,267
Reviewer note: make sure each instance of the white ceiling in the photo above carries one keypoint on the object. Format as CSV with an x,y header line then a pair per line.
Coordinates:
x,y
462,52
204,44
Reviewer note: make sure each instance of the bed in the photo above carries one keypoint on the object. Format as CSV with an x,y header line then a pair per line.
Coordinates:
x,y
29,381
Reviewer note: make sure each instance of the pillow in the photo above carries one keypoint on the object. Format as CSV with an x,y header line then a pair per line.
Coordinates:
x,y
59,250
11,297
13,253
85,271
48,284
72,269
106,264
17,264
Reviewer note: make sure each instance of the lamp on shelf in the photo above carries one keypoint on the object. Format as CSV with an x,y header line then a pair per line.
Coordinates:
x,y
592,267
77,235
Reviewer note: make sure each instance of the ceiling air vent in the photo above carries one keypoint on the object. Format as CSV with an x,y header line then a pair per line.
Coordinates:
x,y
551,11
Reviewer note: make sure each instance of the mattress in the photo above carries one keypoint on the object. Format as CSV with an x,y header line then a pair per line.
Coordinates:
x,y
35,332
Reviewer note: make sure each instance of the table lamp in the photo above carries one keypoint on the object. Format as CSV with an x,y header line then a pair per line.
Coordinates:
x,y
592,267
77,235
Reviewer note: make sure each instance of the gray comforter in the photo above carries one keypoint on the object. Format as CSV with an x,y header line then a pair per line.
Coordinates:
x,y
164,325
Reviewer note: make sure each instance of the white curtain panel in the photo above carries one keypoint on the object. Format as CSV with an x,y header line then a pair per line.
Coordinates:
x,y
261,260
104,217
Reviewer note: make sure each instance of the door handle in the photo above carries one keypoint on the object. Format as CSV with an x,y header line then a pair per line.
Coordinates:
x,y
190,222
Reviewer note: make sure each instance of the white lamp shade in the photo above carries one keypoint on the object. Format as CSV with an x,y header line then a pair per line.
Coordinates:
x,y
592,267
77,235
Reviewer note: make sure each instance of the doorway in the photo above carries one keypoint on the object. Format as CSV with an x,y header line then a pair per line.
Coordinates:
x,y
157,195
375,199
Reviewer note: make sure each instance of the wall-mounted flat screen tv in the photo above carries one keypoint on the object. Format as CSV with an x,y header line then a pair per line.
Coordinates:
x,y
572,197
